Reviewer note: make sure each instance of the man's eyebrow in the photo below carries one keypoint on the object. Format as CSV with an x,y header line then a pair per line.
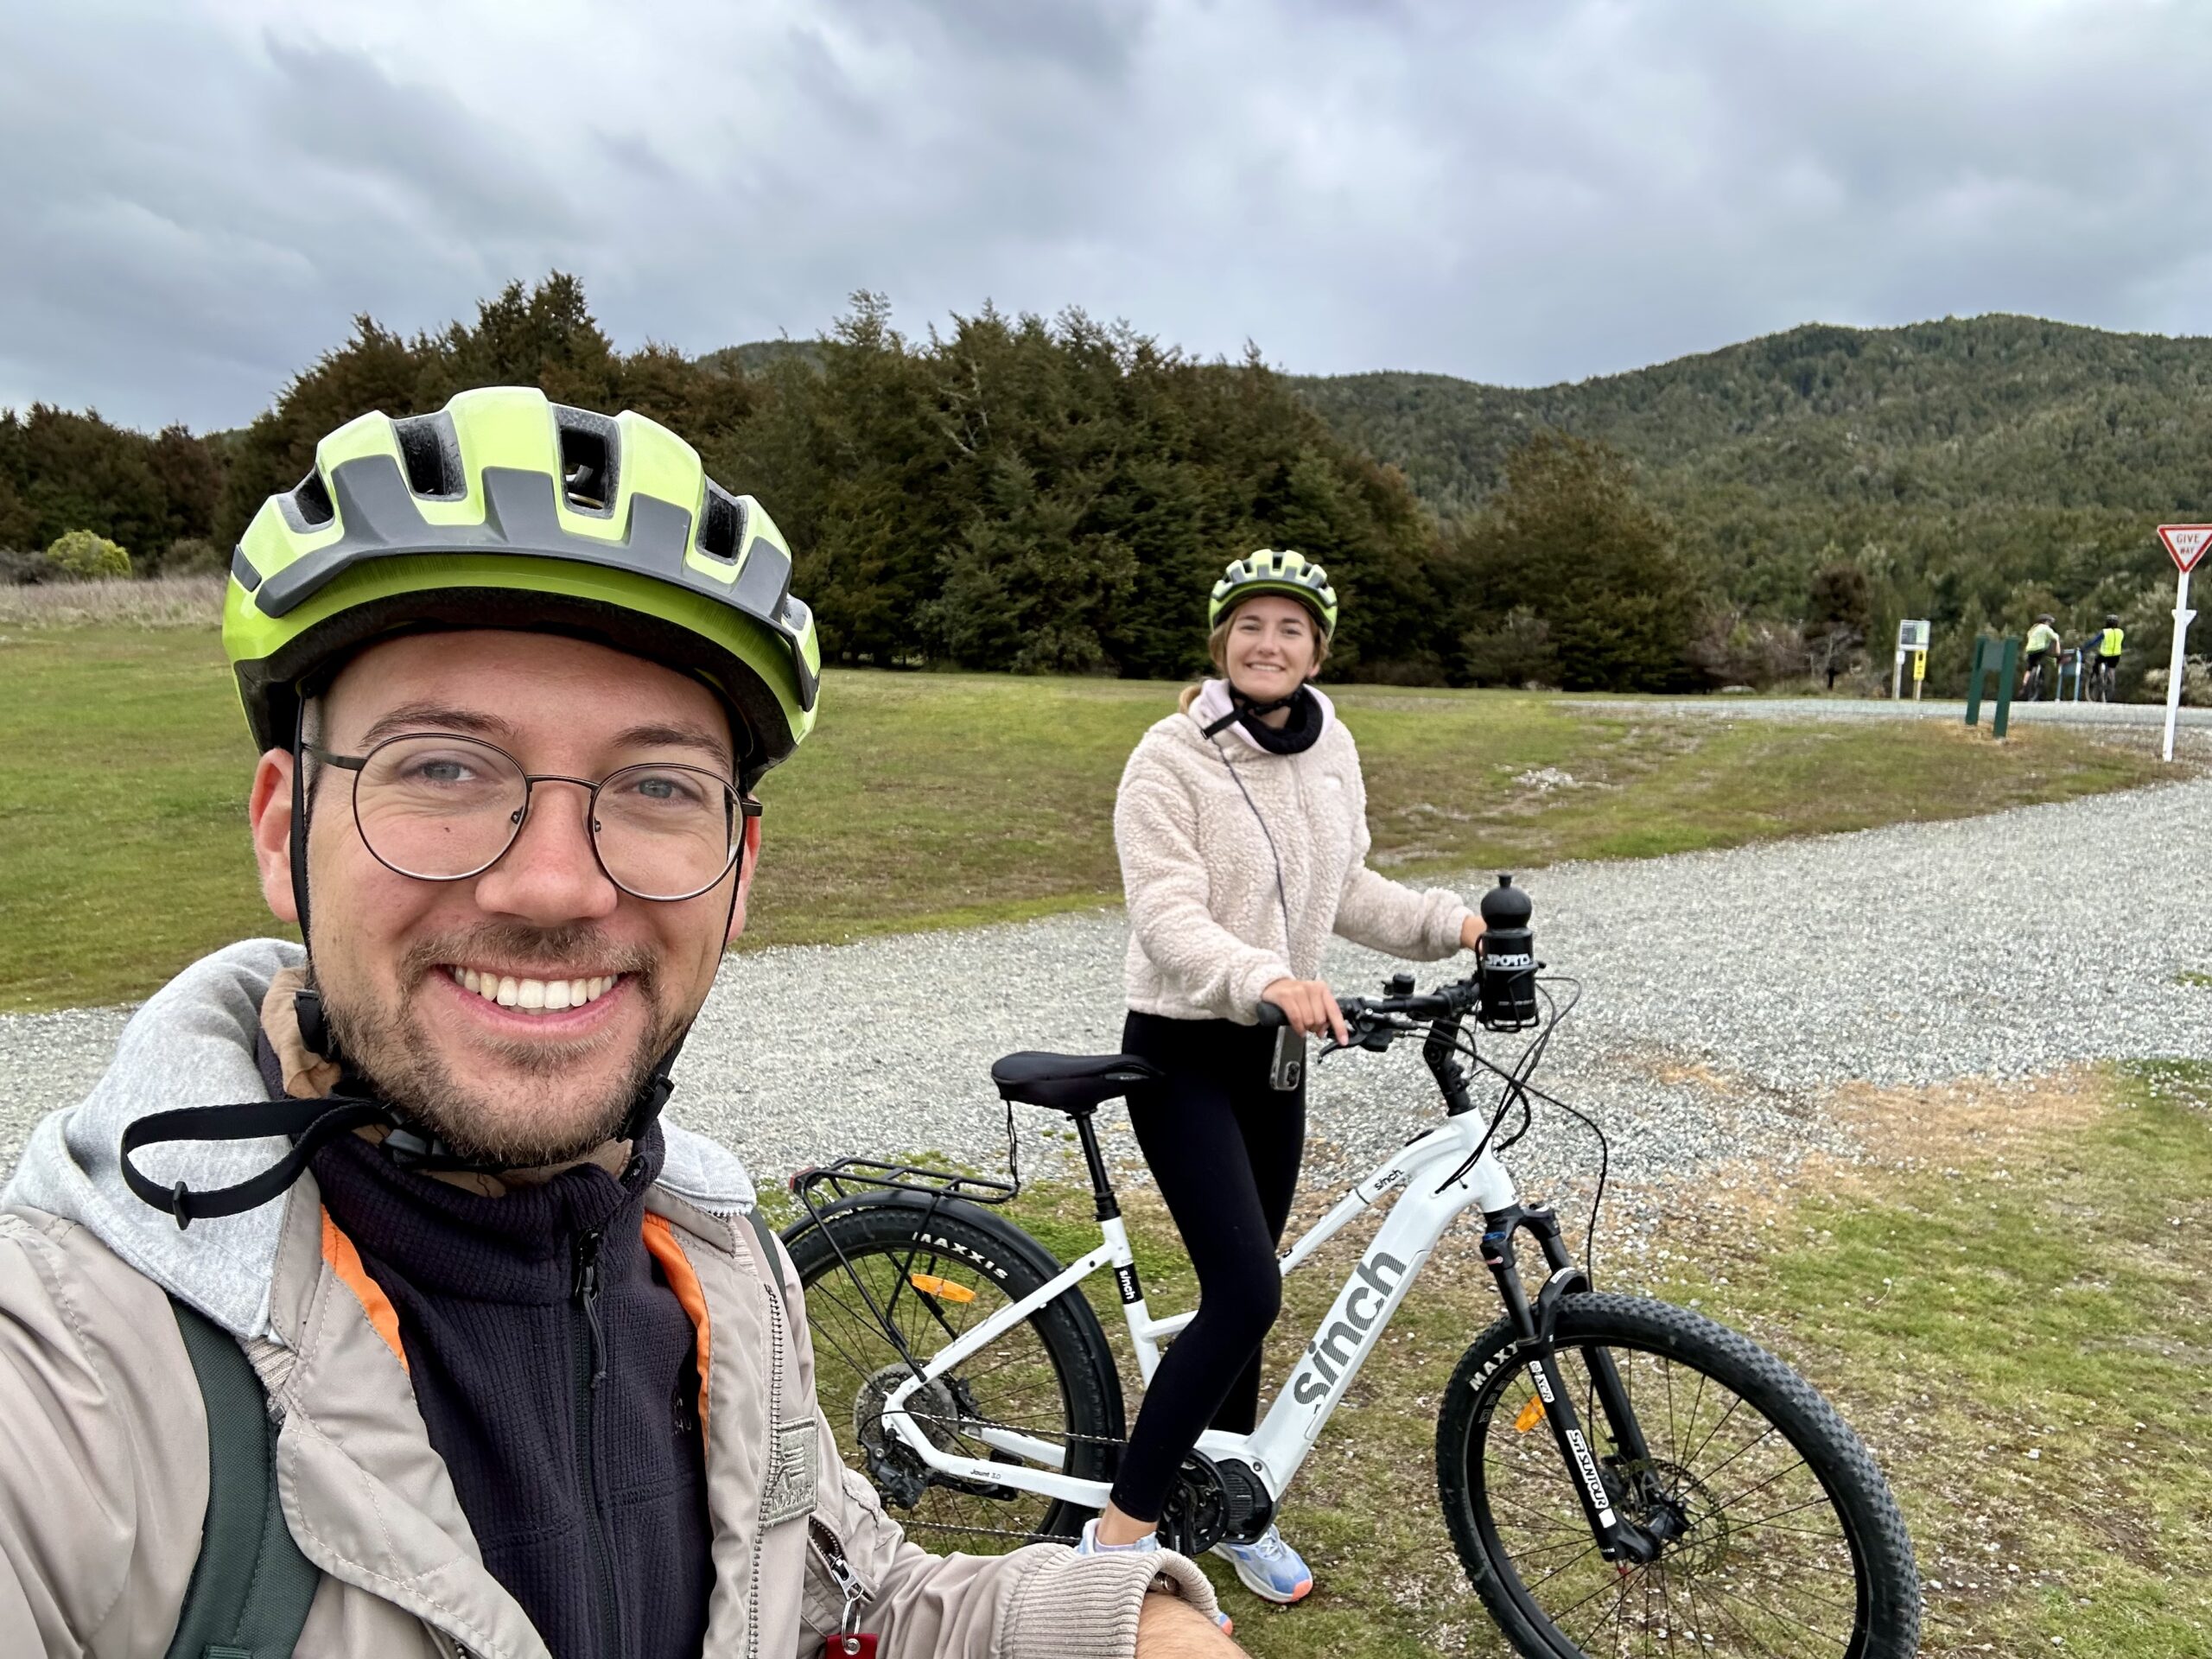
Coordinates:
x,y
681,736
471,722
436,717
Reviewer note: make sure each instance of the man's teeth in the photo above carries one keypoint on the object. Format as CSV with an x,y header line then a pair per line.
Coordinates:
x,y
546,996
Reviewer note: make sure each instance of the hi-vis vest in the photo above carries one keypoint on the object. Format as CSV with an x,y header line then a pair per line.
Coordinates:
x,y
2110,644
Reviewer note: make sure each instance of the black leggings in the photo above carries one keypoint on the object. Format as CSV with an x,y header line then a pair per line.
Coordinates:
x,y
1225,1147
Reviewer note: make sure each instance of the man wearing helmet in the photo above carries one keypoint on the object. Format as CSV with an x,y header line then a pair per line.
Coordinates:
x,y
538,1375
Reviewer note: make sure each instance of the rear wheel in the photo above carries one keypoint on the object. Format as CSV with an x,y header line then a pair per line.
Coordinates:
x,y
1782,1538
935,1273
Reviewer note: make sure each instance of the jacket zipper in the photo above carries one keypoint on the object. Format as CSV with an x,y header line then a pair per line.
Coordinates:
x,y
588,1344
852,1590
774,1293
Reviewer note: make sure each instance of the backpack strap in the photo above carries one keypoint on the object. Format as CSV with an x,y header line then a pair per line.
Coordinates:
x,y
251,1587
771,1272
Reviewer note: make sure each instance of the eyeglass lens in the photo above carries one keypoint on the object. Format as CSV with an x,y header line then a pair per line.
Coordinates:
x,y
443,807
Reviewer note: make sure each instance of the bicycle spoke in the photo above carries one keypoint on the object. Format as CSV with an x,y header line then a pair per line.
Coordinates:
x,y
1776,1613
1691,1460
1751,1446
1747,1587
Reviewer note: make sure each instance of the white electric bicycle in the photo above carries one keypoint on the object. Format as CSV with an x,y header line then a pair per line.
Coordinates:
x,y
1616,1472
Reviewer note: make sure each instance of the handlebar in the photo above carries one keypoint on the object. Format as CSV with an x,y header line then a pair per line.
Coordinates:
x,y
1367,1015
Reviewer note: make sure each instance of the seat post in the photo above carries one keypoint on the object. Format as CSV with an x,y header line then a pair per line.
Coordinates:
x,y
1101,1189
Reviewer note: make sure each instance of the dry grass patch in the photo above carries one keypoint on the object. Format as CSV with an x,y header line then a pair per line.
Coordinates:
x,y
153,602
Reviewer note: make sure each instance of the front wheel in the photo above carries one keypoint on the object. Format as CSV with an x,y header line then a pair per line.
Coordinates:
x,y
1782,1536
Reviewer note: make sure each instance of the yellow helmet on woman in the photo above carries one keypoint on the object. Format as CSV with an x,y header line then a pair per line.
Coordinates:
x,y
1269,571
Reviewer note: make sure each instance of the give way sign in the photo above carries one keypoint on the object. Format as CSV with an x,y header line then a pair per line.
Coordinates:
x,y
2186,542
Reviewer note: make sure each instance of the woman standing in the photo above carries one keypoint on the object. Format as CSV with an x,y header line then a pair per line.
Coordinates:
x,y
1241,825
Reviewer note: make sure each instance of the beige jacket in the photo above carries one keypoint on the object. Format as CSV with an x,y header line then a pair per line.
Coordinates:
x,y
103,1444
1208,929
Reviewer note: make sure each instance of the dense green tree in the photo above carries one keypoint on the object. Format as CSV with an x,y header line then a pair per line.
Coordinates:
x,y
1013,491
1838,616
1568,541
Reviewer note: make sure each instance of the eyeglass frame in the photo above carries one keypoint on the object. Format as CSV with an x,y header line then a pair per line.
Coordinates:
x,y
747,807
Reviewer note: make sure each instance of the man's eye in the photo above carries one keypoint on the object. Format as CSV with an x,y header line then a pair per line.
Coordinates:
x,y
443,771
664,789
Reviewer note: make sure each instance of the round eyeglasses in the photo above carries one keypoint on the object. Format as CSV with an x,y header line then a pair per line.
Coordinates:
x,y
442,807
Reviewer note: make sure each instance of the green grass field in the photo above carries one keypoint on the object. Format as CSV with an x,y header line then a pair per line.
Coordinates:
x,y
930,800
2014,1321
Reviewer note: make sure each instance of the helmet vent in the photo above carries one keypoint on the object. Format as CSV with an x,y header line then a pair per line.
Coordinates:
x,y
312,498
431,455
587,460
724,524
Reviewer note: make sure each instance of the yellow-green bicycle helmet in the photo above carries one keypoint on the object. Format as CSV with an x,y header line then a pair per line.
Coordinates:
x,y
504,509
1268,571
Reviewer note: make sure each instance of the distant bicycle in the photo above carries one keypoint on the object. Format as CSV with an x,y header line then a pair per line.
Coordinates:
x,y
1688,1492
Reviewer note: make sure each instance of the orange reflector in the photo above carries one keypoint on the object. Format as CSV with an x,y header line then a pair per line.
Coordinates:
x,y
1531,1415
930,1284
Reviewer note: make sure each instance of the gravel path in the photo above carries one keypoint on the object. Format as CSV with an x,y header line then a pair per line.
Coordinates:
x,y
1726,993
2150,717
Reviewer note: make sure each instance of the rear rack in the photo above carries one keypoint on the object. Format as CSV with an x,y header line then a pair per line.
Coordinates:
x,y
935,1185
849,1173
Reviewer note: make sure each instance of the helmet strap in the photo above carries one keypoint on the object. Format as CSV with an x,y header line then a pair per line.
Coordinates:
x,y
307,1004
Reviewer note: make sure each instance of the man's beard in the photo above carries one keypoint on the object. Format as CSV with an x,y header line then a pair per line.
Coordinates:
x,y
393,1053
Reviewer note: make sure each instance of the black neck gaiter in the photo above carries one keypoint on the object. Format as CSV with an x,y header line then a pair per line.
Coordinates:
x,y
1294,736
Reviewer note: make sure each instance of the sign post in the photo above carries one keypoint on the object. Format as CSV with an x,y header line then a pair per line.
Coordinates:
x,y
1912,639
2187,543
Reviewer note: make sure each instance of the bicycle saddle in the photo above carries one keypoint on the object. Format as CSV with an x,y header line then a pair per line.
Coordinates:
x,y
1074,1084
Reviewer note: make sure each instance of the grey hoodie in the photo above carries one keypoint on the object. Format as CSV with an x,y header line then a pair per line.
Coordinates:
x,y
104,1461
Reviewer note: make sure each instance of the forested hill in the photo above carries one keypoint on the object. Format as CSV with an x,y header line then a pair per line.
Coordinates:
x,y
1973,467
1957,413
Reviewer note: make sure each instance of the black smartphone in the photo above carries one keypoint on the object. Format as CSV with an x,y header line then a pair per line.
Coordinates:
x,y
1288,1068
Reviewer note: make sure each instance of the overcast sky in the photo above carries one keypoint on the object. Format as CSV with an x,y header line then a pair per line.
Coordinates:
x,y
197,195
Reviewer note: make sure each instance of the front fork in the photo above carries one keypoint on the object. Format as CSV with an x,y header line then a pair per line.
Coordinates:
x,y
1619,1539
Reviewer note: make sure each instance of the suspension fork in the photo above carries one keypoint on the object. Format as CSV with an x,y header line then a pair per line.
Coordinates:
x,y
1618,1539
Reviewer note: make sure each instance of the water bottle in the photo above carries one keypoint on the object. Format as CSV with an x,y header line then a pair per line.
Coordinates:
x,y
1508,963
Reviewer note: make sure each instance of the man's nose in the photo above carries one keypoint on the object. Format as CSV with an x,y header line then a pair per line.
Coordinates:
x,y
550,874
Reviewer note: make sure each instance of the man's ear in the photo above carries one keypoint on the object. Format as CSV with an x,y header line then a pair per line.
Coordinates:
x,y
748,861
269,810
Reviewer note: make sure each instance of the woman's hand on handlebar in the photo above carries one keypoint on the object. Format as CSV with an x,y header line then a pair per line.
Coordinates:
x,y
1310,1005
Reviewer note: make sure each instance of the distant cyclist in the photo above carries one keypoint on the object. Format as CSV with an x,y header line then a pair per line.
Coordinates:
x,y
1242,826
2043,647
2105,669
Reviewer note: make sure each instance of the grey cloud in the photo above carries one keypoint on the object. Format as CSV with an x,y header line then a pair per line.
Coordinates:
x,y
193,207
417,147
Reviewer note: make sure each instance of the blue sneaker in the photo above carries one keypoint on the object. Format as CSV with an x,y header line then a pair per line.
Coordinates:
x,y
1269,1568
1147,1545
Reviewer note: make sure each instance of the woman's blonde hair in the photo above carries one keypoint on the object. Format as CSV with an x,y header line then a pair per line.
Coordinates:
x,y
1217,649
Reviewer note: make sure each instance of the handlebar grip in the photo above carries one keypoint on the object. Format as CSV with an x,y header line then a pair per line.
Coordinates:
x,y
1272,1015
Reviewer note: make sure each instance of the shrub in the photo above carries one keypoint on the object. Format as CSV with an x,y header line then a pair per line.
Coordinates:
x,y
25,568
81,556
1517,651
1732,649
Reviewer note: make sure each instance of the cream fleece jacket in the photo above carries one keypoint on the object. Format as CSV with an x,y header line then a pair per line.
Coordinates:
x,y
1207,930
